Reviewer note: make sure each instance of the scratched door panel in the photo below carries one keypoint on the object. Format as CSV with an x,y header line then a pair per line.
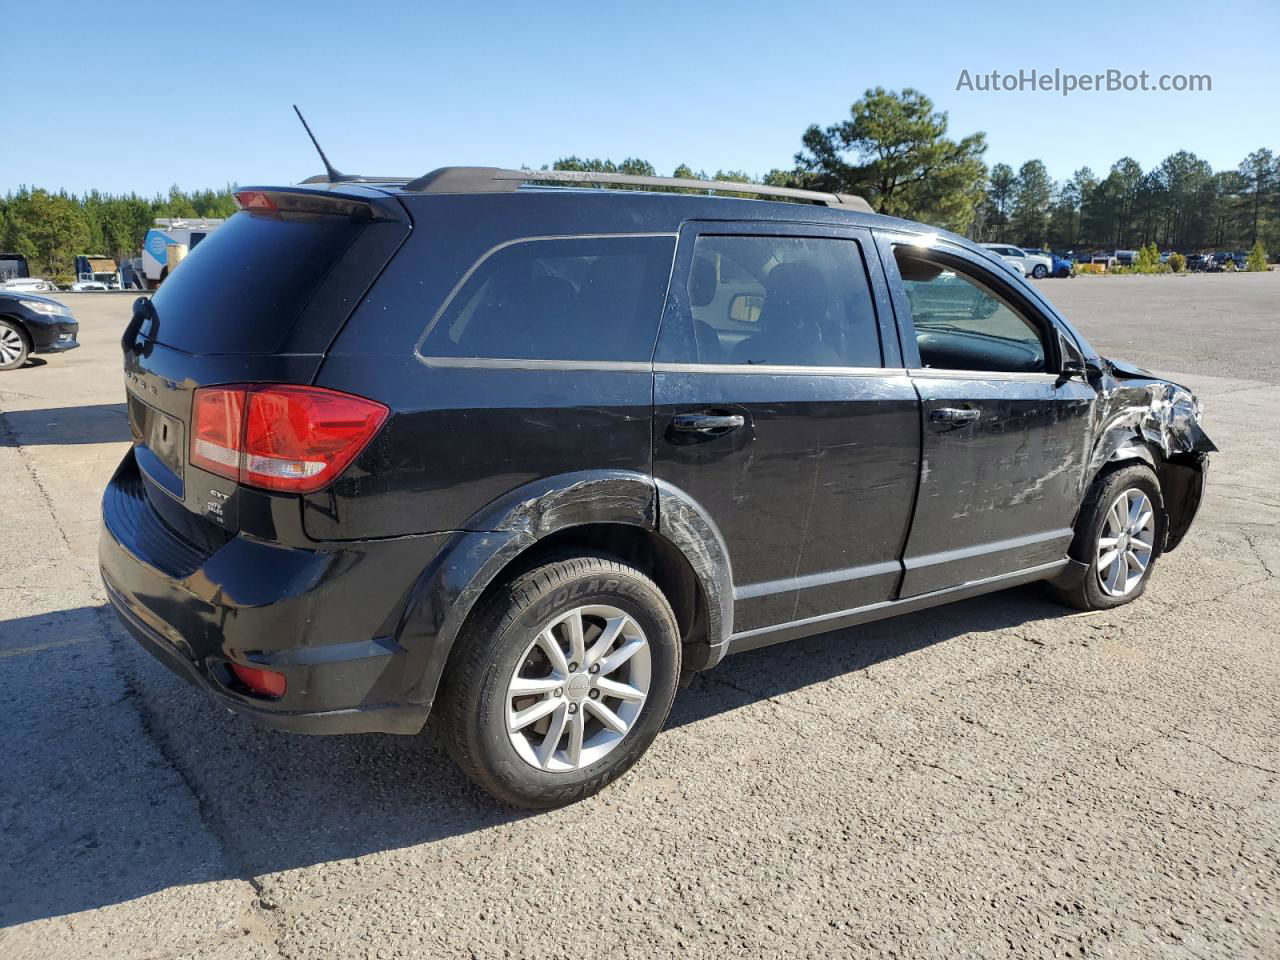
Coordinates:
x,y
997,493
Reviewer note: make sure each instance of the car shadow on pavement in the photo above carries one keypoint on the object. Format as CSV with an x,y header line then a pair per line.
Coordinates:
x,y
141,783
92,423
784,668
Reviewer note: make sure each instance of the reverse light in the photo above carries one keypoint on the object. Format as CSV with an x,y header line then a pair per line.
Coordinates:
x,y
278,437
266,682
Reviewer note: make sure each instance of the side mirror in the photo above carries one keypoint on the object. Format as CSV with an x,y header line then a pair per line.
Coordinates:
x,y
1079,369
746,308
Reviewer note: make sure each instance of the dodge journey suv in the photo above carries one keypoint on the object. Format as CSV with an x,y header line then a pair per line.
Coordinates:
x,y
529,453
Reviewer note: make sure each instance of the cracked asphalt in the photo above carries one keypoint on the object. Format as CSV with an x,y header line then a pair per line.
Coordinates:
x,y
997,778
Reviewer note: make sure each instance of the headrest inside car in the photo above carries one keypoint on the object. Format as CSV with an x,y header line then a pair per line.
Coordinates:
x,y
702,282
916,270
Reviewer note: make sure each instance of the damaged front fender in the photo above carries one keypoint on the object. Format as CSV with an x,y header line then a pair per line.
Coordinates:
x,y
1158,421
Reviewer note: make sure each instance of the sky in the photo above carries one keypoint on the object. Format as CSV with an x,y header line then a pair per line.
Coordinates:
x,y
199,94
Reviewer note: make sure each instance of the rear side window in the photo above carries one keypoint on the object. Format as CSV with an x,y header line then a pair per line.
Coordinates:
x,y
786,301
243,287
560,298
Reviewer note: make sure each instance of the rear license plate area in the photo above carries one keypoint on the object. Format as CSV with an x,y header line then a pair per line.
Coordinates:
x,y
158,445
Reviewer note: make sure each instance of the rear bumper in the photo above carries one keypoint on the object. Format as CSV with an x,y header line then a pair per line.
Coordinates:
x,y
381,719
318,616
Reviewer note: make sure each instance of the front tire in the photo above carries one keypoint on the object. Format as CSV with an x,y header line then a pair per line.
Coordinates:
x,y
1119,534
561,681
14,346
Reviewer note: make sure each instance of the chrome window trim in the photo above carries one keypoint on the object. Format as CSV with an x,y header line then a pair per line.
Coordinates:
x,y
516,363
939,373
784,370
470,271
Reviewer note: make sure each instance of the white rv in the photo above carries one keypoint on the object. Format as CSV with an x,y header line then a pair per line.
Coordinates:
x,y
166,233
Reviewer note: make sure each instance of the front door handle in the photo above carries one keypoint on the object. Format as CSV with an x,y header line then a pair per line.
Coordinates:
x,y
954,415
711,423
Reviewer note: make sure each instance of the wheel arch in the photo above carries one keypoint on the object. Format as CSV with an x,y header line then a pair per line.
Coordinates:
x,y
18,322
1181,479
627,515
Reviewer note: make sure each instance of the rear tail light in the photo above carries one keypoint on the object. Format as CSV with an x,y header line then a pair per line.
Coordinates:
x,y
217,427
266,682
295,439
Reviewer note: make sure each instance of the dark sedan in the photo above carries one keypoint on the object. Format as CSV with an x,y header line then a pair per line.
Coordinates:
x,y
33,324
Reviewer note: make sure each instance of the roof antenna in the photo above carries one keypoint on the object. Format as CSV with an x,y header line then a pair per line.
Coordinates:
x,y
329,169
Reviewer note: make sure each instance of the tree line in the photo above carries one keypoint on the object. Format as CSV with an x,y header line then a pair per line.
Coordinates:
x,y
893,148
51,229
1181,204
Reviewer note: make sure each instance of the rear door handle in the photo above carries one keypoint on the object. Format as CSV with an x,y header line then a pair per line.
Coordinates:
x,y
954,415
707,422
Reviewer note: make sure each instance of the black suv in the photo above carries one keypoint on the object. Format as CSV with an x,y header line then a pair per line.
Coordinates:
x,y
534,451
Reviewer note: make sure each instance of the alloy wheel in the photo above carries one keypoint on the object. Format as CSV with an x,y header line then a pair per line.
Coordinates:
x,y
578,688
10,345
1127,543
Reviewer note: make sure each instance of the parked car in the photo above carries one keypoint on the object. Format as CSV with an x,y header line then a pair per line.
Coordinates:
x,y
525,456
1125,258
33,324
1062,264
1202,263
1033,264
28,285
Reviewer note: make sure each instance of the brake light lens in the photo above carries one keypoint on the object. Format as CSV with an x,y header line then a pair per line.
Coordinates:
x,y
266,682
255,200
288,438
217,423
287,203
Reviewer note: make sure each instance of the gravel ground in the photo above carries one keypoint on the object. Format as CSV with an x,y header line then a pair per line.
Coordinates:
x,y
997,778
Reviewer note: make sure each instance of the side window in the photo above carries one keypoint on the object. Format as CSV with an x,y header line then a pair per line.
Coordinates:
x,y
575,298
792,301
963,324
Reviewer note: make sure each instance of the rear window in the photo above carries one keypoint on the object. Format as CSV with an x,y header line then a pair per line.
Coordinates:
x,y
575,298
242,289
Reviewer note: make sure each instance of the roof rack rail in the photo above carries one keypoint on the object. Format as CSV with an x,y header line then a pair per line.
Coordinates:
x,y
497,180
353,178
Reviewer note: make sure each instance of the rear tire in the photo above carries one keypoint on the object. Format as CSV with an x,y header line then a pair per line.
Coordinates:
x,y
1039,271
1116,540
600,691
14,345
